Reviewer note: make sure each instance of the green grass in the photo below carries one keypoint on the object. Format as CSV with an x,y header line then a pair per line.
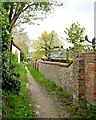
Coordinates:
x,y
83,111
50,85
17,106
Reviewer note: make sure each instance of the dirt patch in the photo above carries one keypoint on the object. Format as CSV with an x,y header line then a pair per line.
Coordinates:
x,y
44,104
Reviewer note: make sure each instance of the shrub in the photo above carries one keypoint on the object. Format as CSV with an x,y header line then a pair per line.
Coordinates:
x,y
12,83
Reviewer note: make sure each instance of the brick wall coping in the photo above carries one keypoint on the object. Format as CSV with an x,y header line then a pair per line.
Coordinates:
x,y
57,63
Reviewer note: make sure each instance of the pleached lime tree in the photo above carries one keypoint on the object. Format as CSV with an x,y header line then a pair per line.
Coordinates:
x,y
46,44
74,34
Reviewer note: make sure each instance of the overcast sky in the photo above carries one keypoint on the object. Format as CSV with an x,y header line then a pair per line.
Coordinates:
x,y
81,11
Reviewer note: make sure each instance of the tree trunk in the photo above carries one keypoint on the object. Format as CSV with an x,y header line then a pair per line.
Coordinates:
x,y
49,56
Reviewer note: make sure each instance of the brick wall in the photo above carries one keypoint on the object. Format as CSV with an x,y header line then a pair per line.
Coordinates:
x,y
84,78
58,72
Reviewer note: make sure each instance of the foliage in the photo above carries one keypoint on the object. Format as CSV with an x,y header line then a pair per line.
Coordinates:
x,y
22,56
24,12
84,110
45,45
17,106
75,33
21,39
10,79
5,42
37,54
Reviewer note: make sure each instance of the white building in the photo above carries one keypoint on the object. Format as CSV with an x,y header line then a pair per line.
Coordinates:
x,y
16,50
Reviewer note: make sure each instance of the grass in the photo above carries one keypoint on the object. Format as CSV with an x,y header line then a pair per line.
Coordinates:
x,y
17,106
85,110
50,85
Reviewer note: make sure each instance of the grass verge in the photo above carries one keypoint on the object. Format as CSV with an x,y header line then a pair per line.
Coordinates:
x,y
17,106
85,110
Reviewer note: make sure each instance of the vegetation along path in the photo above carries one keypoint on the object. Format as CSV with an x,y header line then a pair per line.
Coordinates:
x,y
44,105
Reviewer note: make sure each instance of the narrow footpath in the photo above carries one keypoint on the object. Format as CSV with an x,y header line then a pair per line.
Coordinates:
x,y
43,104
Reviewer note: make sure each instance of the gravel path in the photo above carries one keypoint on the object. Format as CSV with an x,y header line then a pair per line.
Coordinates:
x,y
44,105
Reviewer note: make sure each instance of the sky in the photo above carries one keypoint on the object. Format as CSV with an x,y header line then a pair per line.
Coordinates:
x,y
81,11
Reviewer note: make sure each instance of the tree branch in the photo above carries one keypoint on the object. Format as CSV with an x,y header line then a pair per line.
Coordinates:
x,y
10,13
29,6
15,17
16,9
86,38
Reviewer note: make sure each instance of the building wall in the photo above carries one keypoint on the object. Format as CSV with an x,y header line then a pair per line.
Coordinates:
x,y
59,73
15,50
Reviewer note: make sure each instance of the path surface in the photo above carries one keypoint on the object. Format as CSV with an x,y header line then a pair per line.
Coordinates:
x,y
44,105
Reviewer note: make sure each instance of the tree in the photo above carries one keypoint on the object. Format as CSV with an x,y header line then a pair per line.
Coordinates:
x,y
9,74
46,44
75,33
21,39
23,12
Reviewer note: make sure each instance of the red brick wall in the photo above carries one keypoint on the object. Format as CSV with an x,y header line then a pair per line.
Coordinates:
x,y
84,80
78,80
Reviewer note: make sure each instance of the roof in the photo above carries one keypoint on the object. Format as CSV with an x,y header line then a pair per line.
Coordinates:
x,y
15,45
58,55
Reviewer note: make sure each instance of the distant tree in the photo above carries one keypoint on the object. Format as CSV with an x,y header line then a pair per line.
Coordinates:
x,y
46,44
75,33
21,39
22,56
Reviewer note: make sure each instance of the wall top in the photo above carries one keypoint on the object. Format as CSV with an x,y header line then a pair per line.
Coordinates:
x,y
57,63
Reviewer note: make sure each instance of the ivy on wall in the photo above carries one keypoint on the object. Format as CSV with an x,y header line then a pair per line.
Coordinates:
x,y
10,77
0,44
5,43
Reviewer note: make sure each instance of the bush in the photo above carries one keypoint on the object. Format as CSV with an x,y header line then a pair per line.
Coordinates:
x,y
12,83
